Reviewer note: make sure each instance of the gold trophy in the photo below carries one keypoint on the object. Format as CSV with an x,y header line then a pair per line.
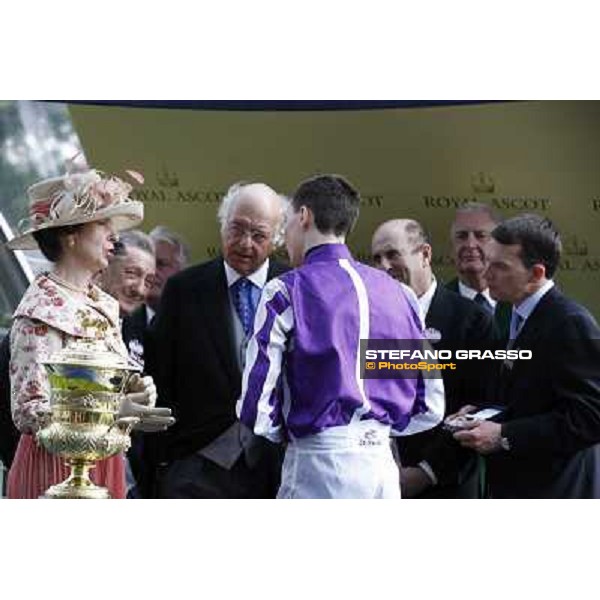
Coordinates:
x,y
87,383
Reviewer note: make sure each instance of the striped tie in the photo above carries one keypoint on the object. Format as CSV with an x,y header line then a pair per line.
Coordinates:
x,y
243,303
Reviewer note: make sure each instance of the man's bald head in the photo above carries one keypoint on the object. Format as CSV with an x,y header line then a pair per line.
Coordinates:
x,y
401,248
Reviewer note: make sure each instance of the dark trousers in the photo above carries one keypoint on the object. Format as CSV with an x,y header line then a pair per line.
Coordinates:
x,y
198,477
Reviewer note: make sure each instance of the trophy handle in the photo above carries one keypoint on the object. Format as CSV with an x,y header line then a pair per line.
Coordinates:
x,y
125,424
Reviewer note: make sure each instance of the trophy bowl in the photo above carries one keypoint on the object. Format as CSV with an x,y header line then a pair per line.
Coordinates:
x,y
87,384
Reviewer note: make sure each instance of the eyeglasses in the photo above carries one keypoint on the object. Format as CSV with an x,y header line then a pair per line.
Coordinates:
x,y
237,232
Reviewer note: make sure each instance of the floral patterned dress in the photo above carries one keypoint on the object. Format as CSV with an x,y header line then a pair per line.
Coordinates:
x,y
45,320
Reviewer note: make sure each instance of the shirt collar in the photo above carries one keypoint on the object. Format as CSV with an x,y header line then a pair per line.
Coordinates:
x,y
470,293
258,278
150,312
528,305
426,298
326,252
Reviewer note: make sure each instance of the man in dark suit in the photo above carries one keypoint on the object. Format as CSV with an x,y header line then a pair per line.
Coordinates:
x,y
196,350
128,278
470,234
133,329
546,444
172,255
431,460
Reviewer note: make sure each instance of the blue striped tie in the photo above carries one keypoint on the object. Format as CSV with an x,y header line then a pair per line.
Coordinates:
x,y
244,303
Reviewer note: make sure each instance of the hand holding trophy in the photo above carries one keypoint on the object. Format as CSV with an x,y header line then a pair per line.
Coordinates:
x,y
92,414
139,403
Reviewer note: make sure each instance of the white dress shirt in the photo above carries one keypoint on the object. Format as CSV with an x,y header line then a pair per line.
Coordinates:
x,y
468,292
426,298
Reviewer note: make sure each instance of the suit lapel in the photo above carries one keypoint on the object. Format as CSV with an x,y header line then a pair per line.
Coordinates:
x,y
213,296
502,317
434,314
142,319
528,337
533,327
452,285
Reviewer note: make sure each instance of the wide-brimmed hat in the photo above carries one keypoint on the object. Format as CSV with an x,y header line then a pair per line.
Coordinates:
x,y
77,198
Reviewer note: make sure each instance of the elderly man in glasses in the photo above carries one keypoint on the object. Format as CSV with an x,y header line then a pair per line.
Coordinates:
x,y
196,351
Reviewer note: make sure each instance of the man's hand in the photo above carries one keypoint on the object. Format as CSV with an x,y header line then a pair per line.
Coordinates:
x,y
481,436
413,481
464,410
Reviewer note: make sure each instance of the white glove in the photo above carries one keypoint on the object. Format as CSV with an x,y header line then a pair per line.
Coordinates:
x,y
141,390
139,401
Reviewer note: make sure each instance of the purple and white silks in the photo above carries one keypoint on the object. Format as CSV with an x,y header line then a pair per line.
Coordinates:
x,y
302,372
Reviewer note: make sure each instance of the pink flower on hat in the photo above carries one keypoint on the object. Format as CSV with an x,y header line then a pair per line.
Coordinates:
x,y
78,197
109,191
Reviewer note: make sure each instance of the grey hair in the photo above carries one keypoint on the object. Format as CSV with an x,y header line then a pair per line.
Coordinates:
x,y
236,191
478,207
134,238
162,234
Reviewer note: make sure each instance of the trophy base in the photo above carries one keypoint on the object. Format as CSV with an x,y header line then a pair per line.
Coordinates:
x,y
67,491
78,486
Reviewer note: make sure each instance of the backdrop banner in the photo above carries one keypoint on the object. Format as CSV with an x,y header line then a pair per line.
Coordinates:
x,y
417,162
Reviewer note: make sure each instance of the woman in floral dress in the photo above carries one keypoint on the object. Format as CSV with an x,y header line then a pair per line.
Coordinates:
x,y
73,220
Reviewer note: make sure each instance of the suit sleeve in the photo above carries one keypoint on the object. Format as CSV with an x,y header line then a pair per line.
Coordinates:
x,y
429,406
161,358
260,406
573,364
160,350
477,376
441,452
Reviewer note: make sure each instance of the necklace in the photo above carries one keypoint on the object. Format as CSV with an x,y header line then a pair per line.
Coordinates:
x,y
70,286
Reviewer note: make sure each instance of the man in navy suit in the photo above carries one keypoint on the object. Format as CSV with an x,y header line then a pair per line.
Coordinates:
x,y
433,465
547,444
195,351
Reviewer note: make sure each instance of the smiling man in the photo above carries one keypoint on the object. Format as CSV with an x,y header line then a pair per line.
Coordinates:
x,y
195,351
130,272
402,248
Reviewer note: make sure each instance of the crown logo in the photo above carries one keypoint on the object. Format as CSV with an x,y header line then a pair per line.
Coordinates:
x,y
483,183
166,179
574,247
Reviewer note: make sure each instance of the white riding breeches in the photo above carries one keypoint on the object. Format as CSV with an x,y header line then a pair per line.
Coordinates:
x,y
352,461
